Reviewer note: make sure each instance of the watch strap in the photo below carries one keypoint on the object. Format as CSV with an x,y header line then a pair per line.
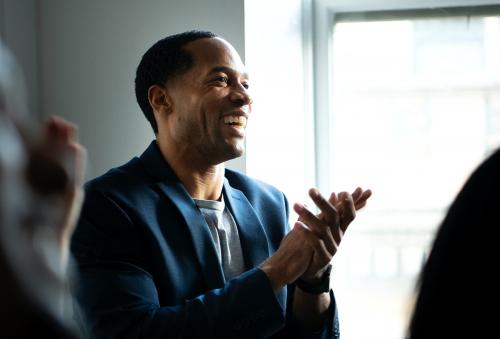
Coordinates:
x,y
321,287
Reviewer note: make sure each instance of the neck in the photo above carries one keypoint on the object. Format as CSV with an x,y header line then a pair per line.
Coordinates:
x,y
202,180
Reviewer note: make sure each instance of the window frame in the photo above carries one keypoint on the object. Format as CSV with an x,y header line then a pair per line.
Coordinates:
x,y
320,17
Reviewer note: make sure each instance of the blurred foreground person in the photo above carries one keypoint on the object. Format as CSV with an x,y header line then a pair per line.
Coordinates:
x,y
41,171
458,287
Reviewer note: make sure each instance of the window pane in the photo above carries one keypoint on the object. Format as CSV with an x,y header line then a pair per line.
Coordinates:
x,y
415,107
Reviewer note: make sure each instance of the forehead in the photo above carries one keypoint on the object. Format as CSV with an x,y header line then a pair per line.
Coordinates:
x,y
209,53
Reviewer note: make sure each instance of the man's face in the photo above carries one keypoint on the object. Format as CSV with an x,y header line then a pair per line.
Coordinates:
x,y
210,102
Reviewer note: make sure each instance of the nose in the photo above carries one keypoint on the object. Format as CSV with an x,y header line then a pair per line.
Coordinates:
x,y
241,96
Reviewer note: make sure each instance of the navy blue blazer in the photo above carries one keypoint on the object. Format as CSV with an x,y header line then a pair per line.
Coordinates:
x,y
147,266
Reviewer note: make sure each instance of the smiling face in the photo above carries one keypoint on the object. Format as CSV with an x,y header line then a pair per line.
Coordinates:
x,y
210,103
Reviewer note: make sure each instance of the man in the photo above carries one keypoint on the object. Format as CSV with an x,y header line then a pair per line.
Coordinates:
x,y
174,245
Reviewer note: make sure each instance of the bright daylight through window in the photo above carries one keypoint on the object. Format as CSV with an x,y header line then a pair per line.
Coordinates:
x,y
415,106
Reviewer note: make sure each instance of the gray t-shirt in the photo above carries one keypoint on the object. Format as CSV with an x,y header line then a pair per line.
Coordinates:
x,y
225,236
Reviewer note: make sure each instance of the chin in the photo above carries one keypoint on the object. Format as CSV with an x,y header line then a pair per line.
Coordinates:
x,y
234,152
235,155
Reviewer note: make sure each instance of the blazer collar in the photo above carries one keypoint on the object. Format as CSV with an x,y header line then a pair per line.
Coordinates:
x,y
253,239
156,165
167,181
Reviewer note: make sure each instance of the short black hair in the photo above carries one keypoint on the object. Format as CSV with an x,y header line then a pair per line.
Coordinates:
x,y
162,62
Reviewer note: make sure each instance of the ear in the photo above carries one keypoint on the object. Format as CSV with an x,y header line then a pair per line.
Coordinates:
x,y
159,99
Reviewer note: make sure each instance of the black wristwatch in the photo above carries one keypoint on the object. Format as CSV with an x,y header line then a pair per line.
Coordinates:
x,y
321,287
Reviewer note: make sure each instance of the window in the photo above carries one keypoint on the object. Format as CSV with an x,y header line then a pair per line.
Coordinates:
x,y
406,102
415,107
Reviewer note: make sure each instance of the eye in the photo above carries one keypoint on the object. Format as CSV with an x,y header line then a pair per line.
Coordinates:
x,y
223,79
245,85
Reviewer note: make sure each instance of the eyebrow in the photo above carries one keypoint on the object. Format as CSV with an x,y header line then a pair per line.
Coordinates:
x,y
225,69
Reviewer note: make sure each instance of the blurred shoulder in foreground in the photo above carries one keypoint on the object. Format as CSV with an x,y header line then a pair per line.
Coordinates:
x,y
458,291
41,173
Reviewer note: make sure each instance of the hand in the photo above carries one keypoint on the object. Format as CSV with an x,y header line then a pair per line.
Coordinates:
x,y
56,169
329,225
292,258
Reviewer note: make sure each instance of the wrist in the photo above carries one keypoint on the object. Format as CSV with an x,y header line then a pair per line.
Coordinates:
x,y
319,283
274,276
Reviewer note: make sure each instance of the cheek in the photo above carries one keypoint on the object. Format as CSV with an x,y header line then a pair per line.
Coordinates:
x,y
201,112
216,107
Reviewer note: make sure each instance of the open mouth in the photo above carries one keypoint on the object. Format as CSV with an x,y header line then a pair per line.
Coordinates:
x,y
235,120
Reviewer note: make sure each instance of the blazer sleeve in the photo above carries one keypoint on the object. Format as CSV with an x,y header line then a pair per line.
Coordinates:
x,y
292,330
118,298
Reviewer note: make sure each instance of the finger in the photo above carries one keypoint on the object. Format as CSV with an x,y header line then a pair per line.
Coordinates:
x,y
316,225
59,130
300,227
348,212
305,205
328,212
359,206
356,194
333,199
340,198
361,201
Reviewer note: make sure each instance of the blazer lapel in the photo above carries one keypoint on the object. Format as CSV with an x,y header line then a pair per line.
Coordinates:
x,y
253,239
173,189
202,240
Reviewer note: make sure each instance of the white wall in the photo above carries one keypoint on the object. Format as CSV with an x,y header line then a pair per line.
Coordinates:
x,y
89,51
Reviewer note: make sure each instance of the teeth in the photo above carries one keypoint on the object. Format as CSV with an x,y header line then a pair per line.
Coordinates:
x,y
236,120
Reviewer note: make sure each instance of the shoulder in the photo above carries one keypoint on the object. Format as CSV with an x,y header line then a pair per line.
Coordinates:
x,y
251,187
121,190
118,178
127,186
266,200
